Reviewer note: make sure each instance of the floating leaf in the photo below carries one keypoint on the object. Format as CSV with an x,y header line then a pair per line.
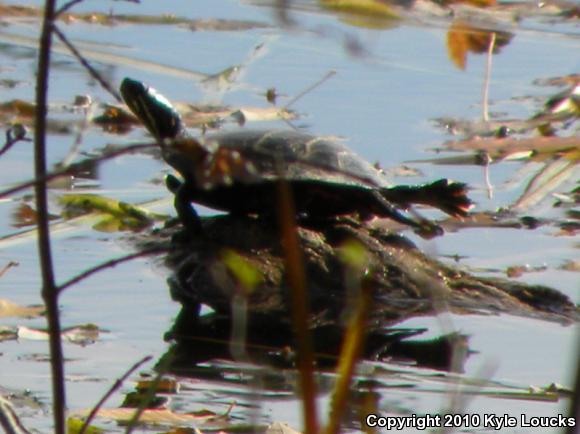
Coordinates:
x,y
572,265
516,271
8,333
367,8
32,334
369,14
502,148
9,309
281,428
153,416
552,175
18,107
477,3
18,11
116,215
116,119
137,399
165,385
558,108
74,426
24,215
81,335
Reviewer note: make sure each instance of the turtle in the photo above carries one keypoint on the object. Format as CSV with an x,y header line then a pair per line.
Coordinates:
x,y
240,172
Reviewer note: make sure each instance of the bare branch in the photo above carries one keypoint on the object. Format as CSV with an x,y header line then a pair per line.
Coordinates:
x,y
70,170
92,71
49,292
108,264
14,134
9,420
150,391
110,392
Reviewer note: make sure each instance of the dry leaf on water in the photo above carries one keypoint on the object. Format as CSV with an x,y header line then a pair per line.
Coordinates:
x,y
9,309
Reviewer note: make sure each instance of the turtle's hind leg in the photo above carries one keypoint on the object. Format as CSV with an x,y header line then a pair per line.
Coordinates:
x,y
444,194
182,202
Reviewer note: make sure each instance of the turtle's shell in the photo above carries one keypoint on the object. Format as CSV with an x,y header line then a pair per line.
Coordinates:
x,y
255,156
240,172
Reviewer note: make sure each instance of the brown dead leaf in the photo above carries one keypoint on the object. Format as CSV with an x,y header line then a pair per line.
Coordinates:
x,y
9,309
281,428
18,107
24,215
18,11
361,8
82,335
463,38
476,3
151,416
457,45
165,385
116,119
515,271
572,265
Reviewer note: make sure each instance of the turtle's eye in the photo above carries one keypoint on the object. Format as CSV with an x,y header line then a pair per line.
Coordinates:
x,y
152,108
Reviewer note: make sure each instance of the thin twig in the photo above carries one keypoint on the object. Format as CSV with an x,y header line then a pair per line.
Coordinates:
x,y
109,264
150,392
70,170
574,410
350,353
485,160
110,392
7,267
300,304
9,420
487,78
92,71
13,138
49,292
310,88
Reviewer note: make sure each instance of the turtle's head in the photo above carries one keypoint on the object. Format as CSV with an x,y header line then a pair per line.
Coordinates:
x,y
152,108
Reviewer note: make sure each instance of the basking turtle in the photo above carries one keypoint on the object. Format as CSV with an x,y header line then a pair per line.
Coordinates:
x,y
240,172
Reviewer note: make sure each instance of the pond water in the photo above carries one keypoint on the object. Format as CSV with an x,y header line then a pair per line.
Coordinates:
x,y
384,100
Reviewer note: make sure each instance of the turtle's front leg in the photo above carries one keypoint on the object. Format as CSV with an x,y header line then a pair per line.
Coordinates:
x,y
182,202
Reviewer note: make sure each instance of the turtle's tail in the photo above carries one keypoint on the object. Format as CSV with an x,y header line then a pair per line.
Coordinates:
x,y
444,194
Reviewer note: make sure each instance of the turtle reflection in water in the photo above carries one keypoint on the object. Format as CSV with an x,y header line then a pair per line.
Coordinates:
x,y
240,172
405,283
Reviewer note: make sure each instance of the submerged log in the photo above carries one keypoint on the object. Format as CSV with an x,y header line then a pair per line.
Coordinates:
x,y
405,282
